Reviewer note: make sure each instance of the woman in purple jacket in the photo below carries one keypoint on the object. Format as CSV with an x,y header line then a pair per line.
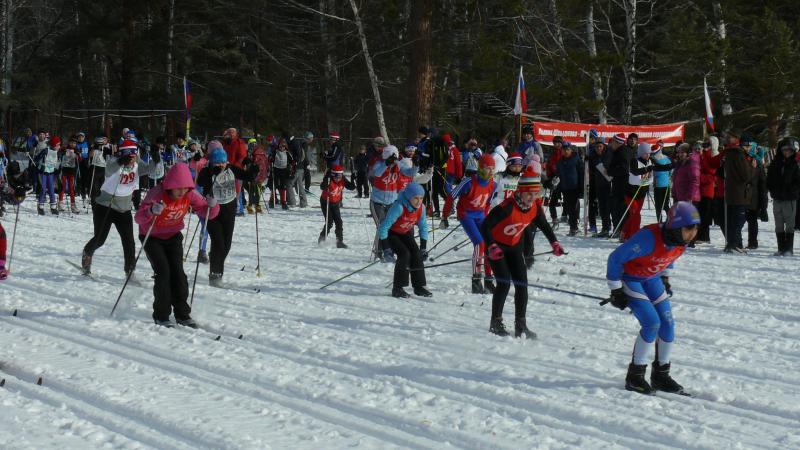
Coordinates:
x,y
686,176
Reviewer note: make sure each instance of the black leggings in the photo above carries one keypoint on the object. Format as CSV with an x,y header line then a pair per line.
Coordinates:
x,y
408,256
510,267
103,217
334,217
220,230
171,288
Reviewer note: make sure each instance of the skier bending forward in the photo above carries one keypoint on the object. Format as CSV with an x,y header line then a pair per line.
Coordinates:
x,y
638,276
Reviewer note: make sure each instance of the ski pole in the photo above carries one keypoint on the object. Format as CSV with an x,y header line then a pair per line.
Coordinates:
x,y
197,264
351,273
622,219
13,239
189,247
327,218
455,247
445,237
258,250
441,264
555,289
135,261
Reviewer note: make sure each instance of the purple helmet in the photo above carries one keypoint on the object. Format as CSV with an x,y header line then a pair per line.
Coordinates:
x,y
682,214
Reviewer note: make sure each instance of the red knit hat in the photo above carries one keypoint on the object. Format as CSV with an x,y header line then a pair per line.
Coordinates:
x,y
486,161
334,135
447,139
530,181
55,140
337,169
127,147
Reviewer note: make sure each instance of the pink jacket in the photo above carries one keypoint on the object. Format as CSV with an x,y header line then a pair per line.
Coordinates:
x,y
686,180
170,221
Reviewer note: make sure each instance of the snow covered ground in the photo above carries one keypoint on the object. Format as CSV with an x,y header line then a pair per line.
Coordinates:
x,y
349,366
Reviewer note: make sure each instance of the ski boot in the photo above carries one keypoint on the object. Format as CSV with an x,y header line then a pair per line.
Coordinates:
x,y
321,239
54,209
521,330
271,204
634,380
340,244
661,381
398,292
602,234
444,224
40,209
789,249
86,263
572,232
250,209
422,292
164,323
477,285
488,286
187,322
259,210
496,327
529,260
61,206
215,280
202,256
74,209
437,214
130,275
284,206
3,270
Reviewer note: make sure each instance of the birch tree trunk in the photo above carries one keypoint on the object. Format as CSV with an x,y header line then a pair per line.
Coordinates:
x,y
420,83
720,29
597,81
81,91
373,79
170,40
629,68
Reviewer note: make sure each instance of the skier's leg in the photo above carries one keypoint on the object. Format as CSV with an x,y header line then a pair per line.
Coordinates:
x,y
155,250
403,254
178,281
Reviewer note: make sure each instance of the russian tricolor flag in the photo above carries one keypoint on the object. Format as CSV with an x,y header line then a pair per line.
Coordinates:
x,y
521,103
187,97
709,114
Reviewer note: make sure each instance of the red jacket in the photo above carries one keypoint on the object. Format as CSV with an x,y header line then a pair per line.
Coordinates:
x,y
708,173
236,150
455,166
552,169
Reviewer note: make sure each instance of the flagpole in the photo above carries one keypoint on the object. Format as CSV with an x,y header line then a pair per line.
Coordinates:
x,y
187,103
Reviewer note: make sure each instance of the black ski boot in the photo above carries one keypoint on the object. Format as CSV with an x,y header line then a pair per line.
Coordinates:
x,y
215,280
187,322
202,256
661,381
477,285
284,206
86,263
635,381
40,209
496,327
488,286
54,209
781,238
340,244
789,249
164,323
529,260
422,292
398,292
321,239
444,224
521,329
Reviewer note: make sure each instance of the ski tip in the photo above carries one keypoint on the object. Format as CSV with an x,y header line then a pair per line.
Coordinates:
x,y
218,337
462,304
39,381
14,314
241,336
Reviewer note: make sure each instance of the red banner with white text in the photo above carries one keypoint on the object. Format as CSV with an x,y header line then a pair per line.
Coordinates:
x,y
576,133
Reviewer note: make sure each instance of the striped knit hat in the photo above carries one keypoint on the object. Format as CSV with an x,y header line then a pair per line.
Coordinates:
x,y
530,181
619,138
337,169
514,158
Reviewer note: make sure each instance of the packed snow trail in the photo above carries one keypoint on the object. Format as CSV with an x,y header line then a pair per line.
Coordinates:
x,y
349,366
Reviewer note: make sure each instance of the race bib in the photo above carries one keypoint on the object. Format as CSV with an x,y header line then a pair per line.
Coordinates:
x,y
224,187
50,161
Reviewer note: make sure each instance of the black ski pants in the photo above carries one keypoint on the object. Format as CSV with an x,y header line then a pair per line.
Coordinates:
x,y
171,288
334,216
408,255
438,188
220,230
660,195
103,217
510,268
706,209
362,184
571,207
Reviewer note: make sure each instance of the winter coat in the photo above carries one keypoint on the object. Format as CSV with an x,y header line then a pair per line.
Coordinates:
x,y
552,164
598,167
570,172
759,183
686,180
783,178
361,162
236,151
661,177
738,174
170,221
334,155
709,164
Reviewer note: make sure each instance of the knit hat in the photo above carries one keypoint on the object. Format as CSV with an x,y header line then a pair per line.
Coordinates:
x,y
410,147
642,150
424,130
486,161
530,181
218,156
337,169
308,135
379,141
334,135
390,150
413,190
593,133
514,158
619,138
128,147
213,145
447,139
558,139
55,140
655,148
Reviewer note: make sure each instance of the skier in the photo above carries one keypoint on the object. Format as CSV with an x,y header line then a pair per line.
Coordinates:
x,y
219,180
333,156
454,172
361,163
47,163
113,205
473,194
69,161
332,185
506,182
570,175
599,163
160,218
396,232
638,276
281,163
783,182
385,174
14,195
503,232
661,179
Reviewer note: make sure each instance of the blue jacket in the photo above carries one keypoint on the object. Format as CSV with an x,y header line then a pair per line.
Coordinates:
x,y
640,244
661,178
570,172
386,197
394,213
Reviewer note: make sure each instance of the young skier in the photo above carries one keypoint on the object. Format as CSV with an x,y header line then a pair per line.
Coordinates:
x,y
332,185
473,194
113,204
281,163
396,233
639,178
69,161
14,195
385,175
219,180
47,163
160,218
638,276
503,231
507,181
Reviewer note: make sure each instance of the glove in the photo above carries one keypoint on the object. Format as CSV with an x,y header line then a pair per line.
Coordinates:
x,y
156,208
423,244
619,299
494,252
762,215
246,162
558,250
388,257
211,201
667,286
